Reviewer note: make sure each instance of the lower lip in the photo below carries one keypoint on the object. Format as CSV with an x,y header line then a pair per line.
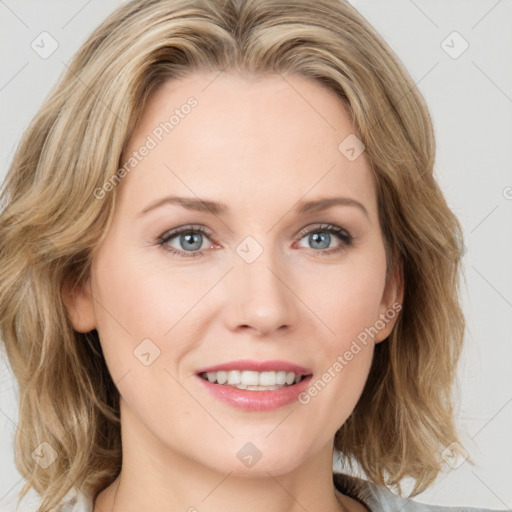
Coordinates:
x,y
257,400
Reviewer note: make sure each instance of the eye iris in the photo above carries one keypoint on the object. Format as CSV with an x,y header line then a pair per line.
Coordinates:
x,y
320,237
192,238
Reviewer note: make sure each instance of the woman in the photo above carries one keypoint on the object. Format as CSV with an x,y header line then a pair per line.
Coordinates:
x,y
224,260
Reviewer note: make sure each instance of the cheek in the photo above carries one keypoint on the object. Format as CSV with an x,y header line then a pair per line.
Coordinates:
x,y
130,310
141,320
345,297
138,301
345,350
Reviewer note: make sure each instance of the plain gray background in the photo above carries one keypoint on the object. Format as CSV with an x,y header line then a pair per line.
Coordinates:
x,y
470,97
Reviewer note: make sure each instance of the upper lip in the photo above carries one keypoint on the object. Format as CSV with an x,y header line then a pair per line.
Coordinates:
x,y
258,366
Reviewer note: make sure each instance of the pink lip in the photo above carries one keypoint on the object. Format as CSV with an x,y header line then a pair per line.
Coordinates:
x,y
257,400
258,366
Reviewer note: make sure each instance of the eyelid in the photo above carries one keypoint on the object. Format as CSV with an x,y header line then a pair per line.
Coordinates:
x,y
325,226
171,233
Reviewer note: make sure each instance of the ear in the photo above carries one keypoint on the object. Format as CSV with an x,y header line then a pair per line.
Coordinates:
x,y
392,299
79,305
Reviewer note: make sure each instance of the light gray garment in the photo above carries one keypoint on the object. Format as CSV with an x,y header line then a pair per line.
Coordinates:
x,y
378,498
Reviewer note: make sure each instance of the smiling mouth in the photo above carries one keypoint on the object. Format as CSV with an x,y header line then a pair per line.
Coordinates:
x,y
253,380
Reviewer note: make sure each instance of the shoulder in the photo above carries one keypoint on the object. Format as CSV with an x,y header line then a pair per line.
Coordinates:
x,y
378,498
76,501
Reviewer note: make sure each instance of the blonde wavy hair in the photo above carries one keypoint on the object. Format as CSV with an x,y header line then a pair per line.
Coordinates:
x,y
51,223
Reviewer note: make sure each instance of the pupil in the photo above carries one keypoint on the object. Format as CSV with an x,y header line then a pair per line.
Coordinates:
x,y
190,239
317,238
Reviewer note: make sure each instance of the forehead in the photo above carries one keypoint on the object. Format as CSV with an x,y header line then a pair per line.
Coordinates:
x,y
245,139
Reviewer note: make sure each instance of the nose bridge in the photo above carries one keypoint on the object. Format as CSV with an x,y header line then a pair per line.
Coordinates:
x,y
261,296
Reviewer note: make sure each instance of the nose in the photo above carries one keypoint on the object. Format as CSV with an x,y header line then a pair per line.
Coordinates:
x,y
260,296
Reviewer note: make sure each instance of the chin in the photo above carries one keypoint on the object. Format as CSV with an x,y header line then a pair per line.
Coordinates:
x,y
253,459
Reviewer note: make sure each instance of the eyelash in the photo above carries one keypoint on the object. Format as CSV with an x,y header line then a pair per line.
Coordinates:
x,y
344,235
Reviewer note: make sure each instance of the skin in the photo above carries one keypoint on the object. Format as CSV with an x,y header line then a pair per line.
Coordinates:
x,y
259,145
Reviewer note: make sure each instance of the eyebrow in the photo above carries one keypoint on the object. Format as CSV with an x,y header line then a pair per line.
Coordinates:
x,y
217,208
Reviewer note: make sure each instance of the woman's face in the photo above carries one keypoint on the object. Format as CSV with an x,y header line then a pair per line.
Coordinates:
x,y
265,280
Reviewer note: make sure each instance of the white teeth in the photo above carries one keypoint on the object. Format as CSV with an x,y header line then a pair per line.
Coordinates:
x,y
280,377
252,380
222,377
234,378
266,379
263,388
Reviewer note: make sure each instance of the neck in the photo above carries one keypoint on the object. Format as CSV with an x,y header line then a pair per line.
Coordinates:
x,y
158,477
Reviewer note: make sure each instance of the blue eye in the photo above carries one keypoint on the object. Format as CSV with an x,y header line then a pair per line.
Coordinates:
x,y
191,238
320,238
